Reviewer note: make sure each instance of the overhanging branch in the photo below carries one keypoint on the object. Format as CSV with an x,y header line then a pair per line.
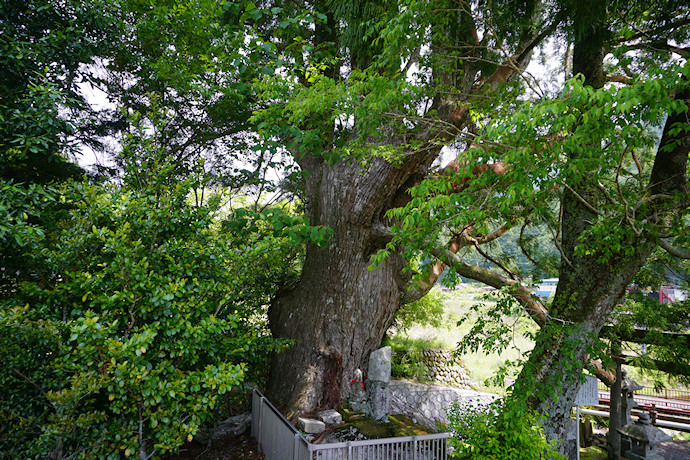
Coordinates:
x,y
674,251
533,306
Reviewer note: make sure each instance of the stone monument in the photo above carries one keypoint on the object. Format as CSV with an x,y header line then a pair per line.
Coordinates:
x,y
379,377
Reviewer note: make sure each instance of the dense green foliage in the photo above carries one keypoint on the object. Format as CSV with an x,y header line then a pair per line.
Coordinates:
x,y
426,311
491,431
44,46
129,307
407,361
140,312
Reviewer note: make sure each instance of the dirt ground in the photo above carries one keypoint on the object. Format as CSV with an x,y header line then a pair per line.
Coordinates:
x,y
675,450
669,450
231,447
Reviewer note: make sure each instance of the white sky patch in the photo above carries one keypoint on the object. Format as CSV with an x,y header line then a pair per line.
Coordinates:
x,y
98,99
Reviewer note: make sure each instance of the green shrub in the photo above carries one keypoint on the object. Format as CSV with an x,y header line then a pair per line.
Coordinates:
x,y
497,430
406,358
137,318
408,364
427,311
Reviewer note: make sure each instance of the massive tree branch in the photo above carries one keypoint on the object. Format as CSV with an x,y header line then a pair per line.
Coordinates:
x,y
419,288
532,305
647,33
659,46
516,64
619,79
452,110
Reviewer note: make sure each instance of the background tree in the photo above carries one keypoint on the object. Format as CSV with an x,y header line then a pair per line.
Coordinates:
x,y
44,48
141,311
591,165
127,308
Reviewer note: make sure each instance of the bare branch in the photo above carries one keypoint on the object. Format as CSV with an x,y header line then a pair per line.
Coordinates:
x,y
583,201
532,305
521,243
674,251
619,79
605,375
646,33
492,236
494,261
660,46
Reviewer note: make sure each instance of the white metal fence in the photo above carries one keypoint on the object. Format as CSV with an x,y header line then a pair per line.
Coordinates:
x,y
279,440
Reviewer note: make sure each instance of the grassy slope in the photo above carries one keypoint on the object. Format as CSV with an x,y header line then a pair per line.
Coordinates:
x,y
481,365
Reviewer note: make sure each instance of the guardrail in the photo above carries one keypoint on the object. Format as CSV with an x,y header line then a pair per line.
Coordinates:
x,y
279,440
665,393
675,405
662,423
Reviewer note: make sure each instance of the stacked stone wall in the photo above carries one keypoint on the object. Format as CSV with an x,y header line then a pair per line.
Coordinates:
x,y
441,368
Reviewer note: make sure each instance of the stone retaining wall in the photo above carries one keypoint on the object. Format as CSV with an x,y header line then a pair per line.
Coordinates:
x,y
429,403
440,368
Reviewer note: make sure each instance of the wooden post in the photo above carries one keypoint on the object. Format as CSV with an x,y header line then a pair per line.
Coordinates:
x,y
613,440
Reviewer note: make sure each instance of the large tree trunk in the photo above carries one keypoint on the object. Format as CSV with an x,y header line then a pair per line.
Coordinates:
x,y
341,308
590,286
587,293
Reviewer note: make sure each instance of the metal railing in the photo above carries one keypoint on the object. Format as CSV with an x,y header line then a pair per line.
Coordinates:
x,y
664,393
279,440
426,447
653,401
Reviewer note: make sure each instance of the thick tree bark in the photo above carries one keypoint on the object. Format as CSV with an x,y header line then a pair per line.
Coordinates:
x,y
586,294
341,308
589,289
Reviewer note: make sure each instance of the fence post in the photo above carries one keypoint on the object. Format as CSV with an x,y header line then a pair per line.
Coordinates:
x,y
261,432
415,454
349,450
294,448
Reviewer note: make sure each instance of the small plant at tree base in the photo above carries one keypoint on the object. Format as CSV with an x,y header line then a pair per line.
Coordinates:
x,y
408,364
498,430
407,361
441,427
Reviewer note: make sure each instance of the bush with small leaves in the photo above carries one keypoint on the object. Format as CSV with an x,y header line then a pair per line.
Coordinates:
x,y
498,430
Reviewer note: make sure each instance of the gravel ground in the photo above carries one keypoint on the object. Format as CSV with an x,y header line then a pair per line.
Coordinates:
x,y
675,450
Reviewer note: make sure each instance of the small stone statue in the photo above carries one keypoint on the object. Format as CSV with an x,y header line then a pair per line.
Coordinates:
x,y
357,397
